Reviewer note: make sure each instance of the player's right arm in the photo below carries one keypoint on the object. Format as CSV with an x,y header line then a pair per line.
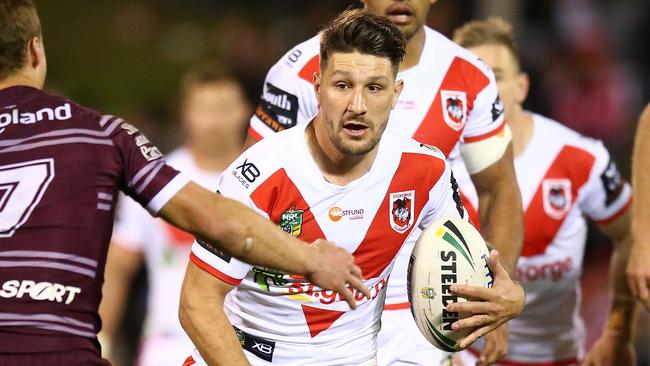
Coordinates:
x,y
201,315
638,267
287,98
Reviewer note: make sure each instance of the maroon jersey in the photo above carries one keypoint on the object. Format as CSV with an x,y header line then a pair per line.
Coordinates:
x,y
61,166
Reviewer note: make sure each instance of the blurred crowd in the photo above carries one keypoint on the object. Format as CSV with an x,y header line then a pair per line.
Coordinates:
x,y
588,60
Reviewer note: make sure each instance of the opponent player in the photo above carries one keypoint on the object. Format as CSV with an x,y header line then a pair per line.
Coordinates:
x,y
563,177
333,178
449,97
638,268
61,166
213,110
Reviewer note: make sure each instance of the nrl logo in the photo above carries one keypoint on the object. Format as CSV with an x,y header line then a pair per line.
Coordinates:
x,y
454,108
401,210
557,197
291,221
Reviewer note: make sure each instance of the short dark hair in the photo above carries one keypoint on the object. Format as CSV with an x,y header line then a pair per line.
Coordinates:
x,y
493,31
208,72
19,23
364,32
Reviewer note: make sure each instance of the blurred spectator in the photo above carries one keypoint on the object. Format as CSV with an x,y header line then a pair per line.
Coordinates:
x,y
213,111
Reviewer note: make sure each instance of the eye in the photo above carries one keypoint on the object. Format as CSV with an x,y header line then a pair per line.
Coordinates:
x,y
374,88
342,86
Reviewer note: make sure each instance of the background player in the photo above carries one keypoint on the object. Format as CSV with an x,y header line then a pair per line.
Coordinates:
x,y
638,268
213,111
448,97
563,177
61,166
331,178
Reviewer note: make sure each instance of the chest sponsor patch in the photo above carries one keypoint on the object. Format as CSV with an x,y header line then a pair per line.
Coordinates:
x,y
454,108
557,197
402,210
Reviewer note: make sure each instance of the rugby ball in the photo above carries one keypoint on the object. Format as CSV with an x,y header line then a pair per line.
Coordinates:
x,y
450,251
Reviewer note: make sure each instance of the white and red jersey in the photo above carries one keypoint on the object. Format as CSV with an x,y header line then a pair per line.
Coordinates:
x,y
450,96
165,249
564,179
371,217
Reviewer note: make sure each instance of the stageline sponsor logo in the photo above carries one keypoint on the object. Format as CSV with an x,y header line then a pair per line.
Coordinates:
x,y
42,291
14,116
553,271
448,277
336,214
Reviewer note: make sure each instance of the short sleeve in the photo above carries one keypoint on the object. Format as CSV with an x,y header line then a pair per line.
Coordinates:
x,y
288,98
146,177
486,117
606,195
444,200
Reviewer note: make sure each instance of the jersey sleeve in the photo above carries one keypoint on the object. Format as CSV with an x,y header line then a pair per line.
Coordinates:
x,y
288,98
209,256
606,195
132,222
146,177
444,200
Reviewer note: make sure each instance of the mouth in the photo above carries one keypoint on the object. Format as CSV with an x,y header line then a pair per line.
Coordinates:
x,y
355,128
399,14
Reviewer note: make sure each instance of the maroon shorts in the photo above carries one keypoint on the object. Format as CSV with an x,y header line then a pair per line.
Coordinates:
x,y
64,358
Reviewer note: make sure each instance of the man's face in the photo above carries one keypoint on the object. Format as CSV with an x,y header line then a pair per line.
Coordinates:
x,y
408,15
511,82
213,112
356,93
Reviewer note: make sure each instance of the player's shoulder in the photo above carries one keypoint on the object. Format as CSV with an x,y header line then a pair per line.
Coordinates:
x,y
467,62
416,154
556,131
300,58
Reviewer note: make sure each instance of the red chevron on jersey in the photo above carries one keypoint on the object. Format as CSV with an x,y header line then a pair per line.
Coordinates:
x,y
444,122
554,197
372,258
312,66
278,194
319,319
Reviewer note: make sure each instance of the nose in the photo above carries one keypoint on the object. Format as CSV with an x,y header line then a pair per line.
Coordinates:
x,y
357,103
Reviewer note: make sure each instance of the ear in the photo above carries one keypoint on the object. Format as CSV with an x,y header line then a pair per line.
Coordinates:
x,y
523,86
317,85
364,2
399,85
36,53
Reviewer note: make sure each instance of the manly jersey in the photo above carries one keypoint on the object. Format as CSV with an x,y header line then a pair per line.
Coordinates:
x,y
371,217
564,178
449,96
165,249
61,166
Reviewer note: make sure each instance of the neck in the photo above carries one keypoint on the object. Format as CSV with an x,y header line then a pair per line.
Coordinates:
x,y
214,160
521,125
414,47
19,79
337,168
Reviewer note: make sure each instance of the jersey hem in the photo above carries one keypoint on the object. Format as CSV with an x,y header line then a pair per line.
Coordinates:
x,y
484,136
213,271
616,215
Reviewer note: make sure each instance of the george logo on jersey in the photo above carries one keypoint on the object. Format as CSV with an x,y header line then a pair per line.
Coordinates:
x,y
278,109
454,108
401,210
557,197
612,182
291,221
497,109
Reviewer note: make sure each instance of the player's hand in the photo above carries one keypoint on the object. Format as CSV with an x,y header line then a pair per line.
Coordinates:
x,y
638,272
496,346
611,350
491,307
334,269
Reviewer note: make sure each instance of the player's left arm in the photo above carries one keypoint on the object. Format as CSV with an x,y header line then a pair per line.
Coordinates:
x,y
203,319
615,345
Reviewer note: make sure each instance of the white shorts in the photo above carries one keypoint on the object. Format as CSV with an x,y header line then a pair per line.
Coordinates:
x,y
468,357
163,351
400,342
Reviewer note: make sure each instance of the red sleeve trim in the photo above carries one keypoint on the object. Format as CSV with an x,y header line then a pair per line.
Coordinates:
x,y
213,271
615,216
252,133
399,306
486,135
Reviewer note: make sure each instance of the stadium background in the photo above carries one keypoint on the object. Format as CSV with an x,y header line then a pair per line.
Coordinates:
x,y
588,59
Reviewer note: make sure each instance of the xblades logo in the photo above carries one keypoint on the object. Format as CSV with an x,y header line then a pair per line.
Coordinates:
x,y
246,173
